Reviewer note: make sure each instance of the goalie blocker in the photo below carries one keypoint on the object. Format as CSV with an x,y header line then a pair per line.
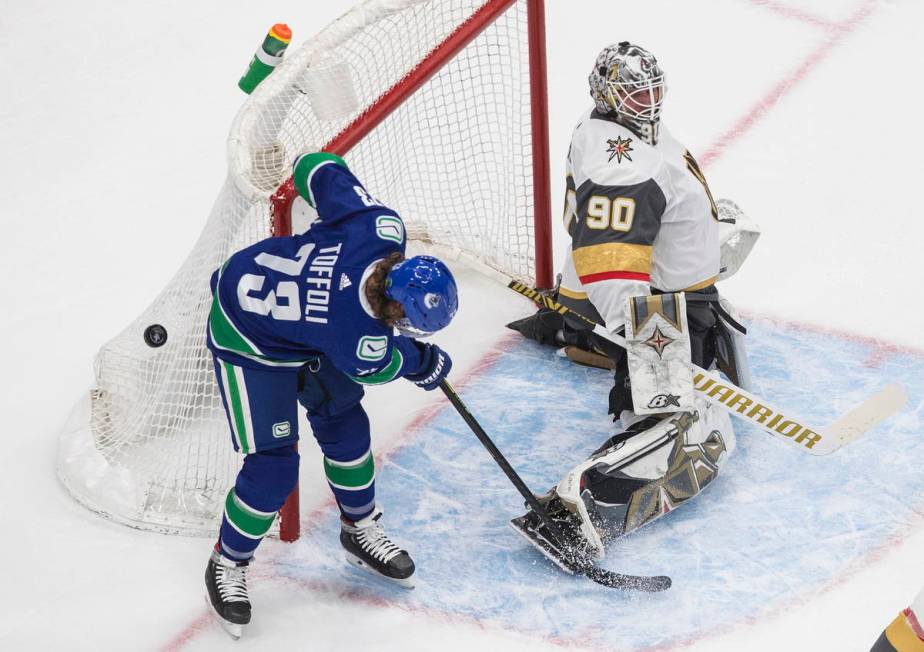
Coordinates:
x,y
706,324
658,353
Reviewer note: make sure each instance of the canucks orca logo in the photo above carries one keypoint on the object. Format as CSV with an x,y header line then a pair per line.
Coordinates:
x,y
431,300
372,348
389,227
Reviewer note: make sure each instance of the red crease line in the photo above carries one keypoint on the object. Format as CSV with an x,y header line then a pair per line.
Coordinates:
x,y
786,84
411,431
796,14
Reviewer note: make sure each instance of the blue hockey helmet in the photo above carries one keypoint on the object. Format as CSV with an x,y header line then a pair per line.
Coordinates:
x,y
425,288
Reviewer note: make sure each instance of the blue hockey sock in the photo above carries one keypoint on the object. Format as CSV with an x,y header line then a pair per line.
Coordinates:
x,y
348,462
353,484
262,486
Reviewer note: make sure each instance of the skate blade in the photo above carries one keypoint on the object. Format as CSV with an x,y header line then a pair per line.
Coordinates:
x,y
233,630
353,560
542,546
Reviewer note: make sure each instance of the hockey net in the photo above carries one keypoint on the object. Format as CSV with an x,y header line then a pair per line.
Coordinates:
x,y
430,102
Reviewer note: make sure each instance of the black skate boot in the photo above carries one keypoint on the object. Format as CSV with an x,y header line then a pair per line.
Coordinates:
x,y
575,550
226,581
368,547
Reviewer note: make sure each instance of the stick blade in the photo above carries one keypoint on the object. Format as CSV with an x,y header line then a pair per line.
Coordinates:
x,y
642,583
585,566
866,416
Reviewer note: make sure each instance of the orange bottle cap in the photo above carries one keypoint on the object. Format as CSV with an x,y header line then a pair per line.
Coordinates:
x,y
281,31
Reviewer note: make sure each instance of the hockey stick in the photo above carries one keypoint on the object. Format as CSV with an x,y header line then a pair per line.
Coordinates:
x,y
570,561
755,410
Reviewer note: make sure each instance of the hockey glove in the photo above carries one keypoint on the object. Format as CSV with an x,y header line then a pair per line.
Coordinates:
x,y
434,366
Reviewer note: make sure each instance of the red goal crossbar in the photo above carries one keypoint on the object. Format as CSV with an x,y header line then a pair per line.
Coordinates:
x,y
403,89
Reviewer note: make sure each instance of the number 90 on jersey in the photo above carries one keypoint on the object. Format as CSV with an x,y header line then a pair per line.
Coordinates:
x,y
605,213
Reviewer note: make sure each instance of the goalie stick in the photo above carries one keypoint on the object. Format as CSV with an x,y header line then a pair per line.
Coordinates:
x,y
570,562
755,410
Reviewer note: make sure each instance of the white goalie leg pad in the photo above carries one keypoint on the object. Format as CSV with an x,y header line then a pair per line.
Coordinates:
x,y
664,466
646,457
697,447
713,419
641,447
659,359
569,491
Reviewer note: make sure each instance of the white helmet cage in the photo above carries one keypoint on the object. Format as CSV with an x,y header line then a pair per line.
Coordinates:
x,y
628,82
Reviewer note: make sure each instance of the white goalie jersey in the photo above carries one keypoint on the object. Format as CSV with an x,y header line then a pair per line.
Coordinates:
x,y
639,217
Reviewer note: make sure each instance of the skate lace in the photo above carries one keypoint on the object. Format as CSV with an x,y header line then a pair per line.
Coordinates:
x,y
232,583
374,541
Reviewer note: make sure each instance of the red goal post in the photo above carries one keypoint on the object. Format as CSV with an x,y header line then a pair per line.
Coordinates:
x,y
370,118
440,107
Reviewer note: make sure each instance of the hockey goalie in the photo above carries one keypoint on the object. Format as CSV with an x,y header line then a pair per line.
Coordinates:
x,y
648,243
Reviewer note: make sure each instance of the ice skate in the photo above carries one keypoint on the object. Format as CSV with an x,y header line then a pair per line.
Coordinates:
x,y
226,581
368,547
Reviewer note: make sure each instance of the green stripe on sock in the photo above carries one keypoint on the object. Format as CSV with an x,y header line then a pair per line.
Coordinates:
x,y
237,410
247,520
386,375
356,476
304,166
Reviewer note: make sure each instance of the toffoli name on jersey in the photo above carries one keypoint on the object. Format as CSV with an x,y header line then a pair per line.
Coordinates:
x,y
317,300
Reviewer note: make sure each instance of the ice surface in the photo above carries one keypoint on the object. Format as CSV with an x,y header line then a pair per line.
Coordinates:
x,y
112,132
776,526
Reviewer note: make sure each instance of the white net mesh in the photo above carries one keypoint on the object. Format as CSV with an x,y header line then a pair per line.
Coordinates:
x,y
150,447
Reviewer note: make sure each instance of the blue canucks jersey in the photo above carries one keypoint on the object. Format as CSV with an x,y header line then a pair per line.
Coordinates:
x,y
284,300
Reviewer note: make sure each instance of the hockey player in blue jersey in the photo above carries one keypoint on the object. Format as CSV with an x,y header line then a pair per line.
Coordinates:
x,y
310,319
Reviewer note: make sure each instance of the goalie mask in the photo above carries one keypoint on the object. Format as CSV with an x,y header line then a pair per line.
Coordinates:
x,y
628,83
427,292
